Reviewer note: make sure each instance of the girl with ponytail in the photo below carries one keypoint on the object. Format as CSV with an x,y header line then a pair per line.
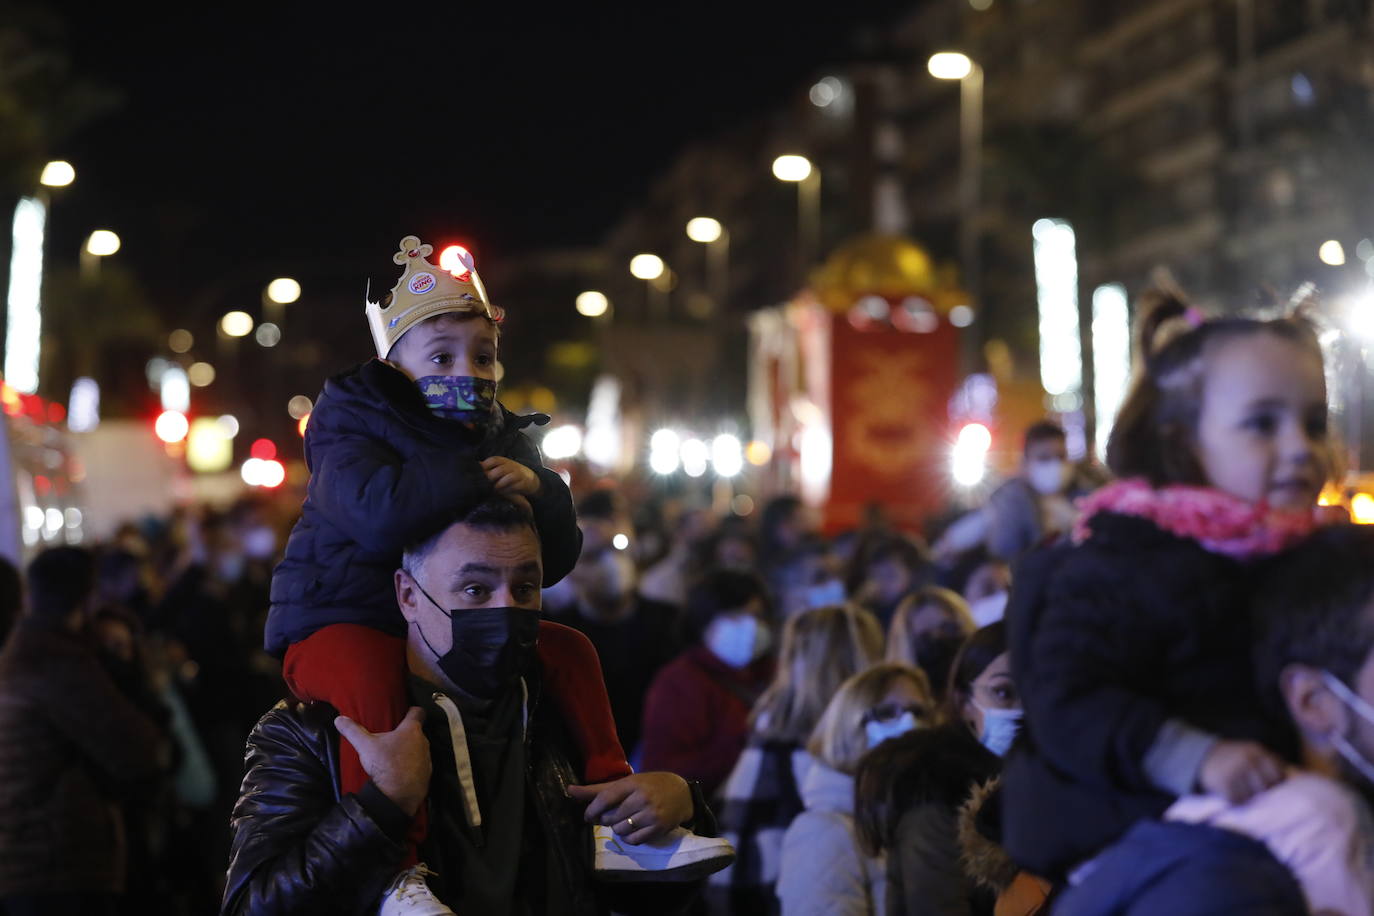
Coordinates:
x,y
1131,645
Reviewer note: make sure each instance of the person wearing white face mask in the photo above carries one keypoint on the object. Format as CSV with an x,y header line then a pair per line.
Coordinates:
x,y
696,713
1038,502
923,798
823,868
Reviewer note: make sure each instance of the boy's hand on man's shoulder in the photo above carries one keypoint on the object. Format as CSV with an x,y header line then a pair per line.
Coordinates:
x,y
510,477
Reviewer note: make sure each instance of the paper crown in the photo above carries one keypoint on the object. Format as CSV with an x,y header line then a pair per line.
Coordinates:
x,y
424,291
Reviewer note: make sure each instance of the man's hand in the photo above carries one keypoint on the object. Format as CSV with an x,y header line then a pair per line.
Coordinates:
x,y
511,478
1239,770
657,803
398,760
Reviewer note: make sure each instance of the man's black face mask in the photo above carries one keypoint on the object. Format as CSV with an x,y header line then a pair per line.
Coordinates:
x,y
493,647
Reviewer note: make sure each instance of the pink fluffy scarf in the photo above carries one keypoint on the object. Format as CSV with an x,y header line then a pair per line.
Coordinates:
x,y
1220,522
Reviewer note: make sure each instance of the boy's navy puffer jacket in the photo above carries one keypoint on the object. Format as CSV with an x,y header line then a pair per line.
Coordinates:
x,y
385,470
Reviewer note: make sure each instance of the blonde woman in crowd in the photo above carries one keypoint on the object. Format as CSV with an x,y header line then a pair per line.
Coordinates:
x,y
824,870
926,632
821,648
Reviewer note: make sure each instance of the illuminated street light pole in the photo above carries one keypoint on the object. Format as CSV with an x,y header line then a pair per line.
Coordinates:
x,y
807,177
709,232
23,301
951,65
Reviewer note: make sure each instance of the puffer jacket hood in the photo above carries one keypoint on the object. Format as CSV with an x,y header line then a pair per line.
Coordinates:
x,y
826,789
983,858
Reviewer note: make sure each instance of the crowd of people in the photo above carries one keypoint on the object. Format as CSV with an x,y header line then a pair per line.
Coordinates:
x,y
1142,690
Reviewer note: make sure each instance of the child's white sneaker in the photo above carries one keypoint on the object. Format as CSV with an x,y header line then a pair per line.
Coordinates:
x,y
679,855
409,895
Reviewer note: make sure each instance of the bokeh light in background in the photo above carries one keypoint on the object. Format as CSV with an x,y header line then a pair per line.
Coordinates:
x,y
209,447
299,406
949,65
263,449
263,472
968,461
562,443
230,424
1332,253
961,316
646,266
268,334
180,341
663,451
791,167
236,324
283,290
175,389
703,229
621,541
695,456
171,426
592,304
202,375
758,453
57,174
102,243
727,455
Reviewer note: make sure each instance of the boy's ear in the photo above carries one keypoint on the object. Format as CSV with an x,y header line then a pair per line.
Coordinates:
x,y
1317,712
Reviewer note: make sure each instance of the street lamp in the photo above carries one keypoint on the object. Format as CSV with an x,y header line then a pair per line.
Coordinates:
x,y
236,324
57,174
800,171
99,244
651,269
592,304
952,65
709,232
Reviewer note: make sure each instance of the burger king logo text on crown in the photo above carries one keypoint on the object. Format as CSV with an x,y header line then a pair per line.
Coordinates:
x,y
421,283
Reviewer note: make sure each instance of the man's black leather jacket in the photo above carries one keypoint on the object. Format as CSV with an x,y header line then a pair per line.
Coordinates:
x,y
298,847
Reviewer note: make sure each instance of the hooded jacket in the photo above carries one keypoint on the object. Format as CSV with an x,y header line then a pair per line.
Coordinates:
x,y
386,470
824,870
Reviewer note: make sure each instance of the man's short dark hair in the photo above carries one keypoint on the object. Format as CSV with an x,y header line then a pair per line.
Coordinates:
x,y
1312,607
61,579
495,513
1043,431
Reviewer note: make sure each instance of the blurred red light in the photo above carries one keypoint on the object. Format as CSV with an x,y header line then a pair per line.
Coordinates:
x,y
304,422
457,260
263,450
41,485
56,413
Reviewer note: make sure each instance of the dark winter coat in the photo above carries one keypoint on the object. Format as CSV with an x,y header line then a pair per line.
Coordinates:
x,y
1109,640
70,743
384,471
696,715
298,847
929,870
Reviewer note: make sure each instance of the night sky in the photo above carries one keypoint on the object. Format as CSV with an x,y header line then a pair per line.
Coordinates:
x,y
254,142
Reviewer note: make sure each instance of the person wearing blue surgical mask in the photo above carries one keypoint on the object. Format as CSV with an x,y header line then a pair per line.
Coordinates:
x,y
696,712
823,870
923,797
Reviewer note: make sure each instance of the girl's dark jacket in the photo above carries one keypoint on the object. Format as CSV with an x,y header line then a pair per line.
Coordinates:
x,y
1110,639
385,470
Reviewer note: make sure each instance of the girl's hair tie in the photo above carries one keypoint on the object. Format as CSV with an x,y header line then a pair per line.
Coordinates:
x,y
1194,317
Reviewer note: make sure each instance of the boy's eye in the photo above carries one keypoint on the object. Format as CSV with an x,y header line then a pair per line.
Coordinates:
x,y
483,359
1316,427
441,359
1264,424
476,592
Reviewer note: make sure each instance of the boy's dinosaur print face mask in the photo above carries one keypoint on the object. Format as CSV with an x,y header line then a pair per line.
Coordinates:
x,y
459,397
